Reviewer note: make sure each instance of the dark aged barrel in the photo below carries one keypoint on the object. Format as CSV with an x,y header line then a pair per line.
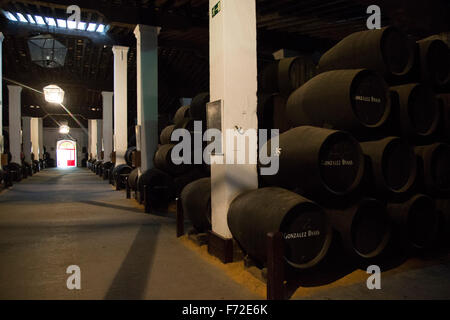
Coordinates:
x,y
16,171
434,162
265,111
118,170
286,75
385,50
198,106
132,179
304,225
107,166
128,156
163,160
320,162
349,100
181,114
415,221
391,165
166,134
444,111
160,188
364,228
183,180
443,209
187,124
434,55
196,202
416,110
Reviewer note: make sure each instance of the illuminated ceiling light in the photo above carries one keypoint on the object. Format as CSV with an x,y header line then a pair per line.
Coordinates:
x,y
21,17
92,27
81,26
10,16
53,94
30,19
64,129
71,24
50,21
61,23
40,20
101,28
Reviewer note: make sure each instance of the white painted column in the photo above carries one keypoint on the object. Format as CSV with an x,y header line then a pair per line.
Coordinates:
x,y
99,139
147,92
26,138
35,137
107,125
233,79
120,103
15,127
92,128
41,138
2,142
89,139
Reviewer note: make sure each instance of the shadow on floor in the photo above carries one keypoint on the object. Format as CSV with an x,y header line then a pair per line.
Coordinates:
x,y
113,206
131,279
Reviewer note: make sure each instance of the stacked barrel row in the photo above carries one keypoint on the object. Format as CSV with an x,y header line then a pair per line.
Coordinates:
x,y
365,156
167,179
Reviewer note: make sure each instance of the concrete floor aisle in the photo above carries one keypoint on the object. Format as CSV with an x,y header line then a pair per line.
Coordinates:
x,y
59,218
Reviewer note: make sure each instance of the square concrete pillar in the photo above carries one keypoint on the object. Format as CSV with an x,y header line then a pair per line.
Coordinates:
x,y
15,127
107,125
147,92
120,103
99,139
233,81
92,129
35,138
26,139
2,143
41,138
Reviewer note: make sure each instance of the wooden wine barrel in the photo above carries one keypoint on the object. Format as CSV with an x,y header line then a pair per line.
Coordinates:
x,y
198,106
444,110
187,124
265,111
181,114
118,170
128,156
160,188
196,202
385,50
443,209
320,162
305,227
133,178
190,176
166,134
16,171
434,55
391,165
434,162
163,160
416,110
351,100
286,75
364,228
415,221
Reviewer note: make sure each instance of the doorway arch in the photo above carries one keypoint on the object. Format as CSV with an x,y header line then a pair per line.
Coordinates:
x,y
66,154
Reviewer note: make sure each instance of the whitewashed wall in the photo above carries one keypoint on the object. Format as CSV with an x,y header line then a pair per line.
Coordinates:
x,y
52,136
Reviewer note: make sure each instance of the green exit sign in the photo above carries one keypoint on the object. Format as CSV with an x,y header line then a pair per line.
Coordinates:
x,y
216,9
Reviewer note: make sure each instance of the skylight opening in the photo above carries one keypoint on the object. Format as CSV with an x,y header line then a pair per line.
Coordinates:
x,y
40,20
50,21
81,26
92,27
101,28
71,24
30,19
10,16
21,17
61,23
